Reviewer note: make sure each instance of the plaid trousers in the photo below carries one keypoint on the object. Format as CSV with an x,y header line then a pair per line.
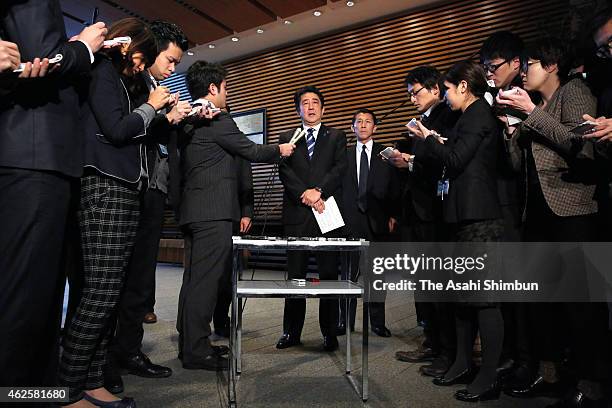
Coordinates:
x,y
108,219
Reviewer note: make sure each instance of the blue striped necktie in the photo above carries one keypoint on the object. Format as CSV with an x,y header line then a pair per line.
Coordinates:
x,y
310,142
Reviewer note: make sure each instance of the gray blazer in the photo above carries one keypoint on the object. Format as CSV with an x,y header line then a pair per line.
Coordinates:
x,y
554,147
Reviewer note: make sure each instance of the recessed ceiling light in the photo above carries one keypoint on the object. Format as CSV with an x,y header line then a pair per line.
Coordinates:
x,y
190,53
288,22
350,3
260,31
235,39
211,45
316,13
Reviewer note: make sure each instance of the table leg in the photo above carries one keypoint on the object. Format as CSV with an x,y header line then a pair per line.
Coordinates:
x,y
239,339
347,320
364,353
231,383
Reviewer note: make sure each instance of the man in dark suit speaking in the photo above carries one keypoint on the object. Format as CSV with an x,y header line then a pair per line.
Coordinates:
x,y
370,205
312,175
208,206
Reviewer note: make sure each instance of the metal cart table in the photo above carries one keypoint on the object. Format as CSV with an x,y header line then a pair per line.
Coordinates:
x,y
343,289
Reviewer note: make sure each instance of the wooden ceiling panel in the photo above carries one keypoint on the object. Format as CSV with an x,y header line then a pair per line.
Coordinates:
x,y
198,28
240,15
287,8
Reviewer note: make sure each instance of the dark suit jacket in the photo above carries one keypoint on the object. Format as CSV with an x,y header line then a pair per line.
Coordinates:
x,y
419,186
470,159
209,172
245,187
113,132
382,194
325,170
39,125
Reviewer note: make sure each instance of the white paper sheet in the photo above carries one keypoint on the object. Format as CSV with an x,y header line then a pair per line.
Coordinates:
x,y
331,218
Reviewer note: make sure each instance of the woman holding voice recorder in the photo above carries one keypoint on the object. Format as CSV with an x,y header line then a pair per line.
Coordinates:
x,y
468,190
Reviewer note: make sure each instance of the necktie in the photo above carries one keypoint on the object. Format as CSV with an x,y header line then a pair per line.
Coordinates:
x,y
310,142
364,169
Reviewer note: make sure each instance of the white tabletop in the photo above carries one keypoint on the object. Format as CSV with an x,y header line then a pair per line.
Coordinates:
x,y
293,243
283,287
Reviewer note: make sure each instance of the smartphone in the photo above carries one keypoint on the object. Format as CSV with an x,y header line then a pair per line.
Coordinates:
x,y
584,128
387,153
412,123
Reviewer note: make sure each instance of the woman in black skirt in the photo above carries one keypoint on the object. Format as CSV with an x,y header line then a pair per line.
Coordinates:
x,y
471,208
109,205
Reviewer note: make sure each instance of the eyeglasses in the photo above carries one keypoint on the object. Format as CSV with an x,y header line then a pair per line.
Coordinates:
x,y
526,64
494,67
413,94
605,50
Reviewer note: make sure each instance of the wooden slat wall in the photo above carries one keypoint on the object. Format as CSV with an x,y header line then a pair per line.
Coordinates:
x,y
365,67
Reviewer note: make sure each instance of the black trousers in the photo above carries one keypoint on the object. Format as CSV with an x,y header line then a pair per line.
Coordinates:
x,y
33,211
360,228
297,264
208,247
224,296
580,326
139,286
376,309
438,317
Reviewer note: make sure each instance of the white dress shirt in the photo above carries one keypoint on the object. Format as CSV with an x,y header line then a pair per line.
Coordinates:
x,y
316,130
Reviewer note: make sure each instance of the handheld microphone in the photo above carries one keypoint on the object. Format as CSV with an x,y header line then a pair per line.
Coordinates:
x,y
297,135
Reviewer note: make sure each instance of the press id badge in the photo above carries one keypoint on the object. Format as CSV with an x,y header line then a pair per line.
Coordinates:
x,y
443,186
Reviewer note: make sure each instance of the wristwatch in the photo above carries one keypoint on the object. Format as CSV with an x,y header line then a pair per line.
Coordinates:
x,y
320,190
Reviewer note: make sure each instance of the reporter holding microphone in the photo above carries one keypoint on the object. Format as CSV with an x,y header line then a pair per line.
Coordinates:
x,y
115,172
208,205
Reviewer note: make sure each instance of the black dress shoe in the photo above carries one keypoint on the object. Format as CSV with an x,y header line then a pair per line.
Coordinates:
x,y
114,385
288,340
222,331
421,355
140,365
381,331
490,393
437,368
536,388
505,368
465,377
122,403
341,329
330,343
211,362
577,399
220,350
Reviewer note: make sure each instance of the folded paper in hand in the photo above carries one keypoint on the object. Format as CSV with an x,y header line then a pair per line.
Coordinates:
x,y
331,218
